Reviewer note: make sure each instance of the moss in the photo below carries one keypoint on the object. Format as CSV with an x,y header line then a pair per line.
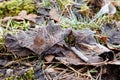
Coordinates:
x,y
13,7
10,78
28,75
116,17
1,75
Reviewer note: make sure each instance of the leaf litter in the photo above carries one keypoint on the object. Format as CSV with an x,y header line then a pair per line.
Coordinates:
x,y
55,53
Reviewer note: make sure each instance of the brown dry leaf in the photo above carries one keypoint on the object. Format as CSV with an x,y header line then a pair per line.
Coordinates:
x,y
51,40
49,58
6,19
22,16
17,18
54,15
22,13
70,60
13,45
35,41
87,45
31,17
104,39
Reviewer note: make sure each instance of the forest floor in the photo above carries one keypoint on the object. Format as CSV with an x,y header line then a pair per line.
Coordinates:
x,y
59,40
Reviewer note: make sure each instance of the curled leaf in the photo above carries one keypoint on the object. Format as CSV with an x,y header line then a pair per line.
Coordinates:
x,y
107,8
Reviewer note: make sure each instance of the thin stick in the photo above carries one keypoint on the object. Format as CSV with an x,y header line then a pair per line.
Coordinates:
x,y
80,55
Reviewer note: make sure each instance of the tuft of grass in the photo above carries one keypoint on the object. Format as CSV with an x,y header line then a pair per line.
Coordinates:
x,y
14,26
23,25
85,22
64,3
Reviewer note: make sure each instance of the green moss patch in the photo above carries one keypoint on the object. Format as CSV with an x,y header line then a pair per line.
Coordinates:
x,y
13,7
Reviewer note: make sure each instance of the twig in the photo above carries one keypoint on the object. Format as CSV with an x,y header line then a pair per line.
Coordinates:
x,y
78,73
80,55
99,75
60,74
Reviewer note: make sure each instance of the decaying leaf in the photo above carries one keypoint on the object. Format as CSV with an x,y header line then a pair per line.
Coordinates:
x,y
54,53
49,58
113,33
12,45
37,41
43,11
22,16
54,15
86,44
107,8
51,40
69,60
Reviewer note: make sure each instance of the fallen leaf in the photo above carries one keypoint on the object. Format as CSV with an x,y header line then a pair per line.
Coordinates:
x,y
104,39
49,58
107,8
22,16
22,13
35,41
113,33
43,11
3,62
54,15
87,45
69,60
50,40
